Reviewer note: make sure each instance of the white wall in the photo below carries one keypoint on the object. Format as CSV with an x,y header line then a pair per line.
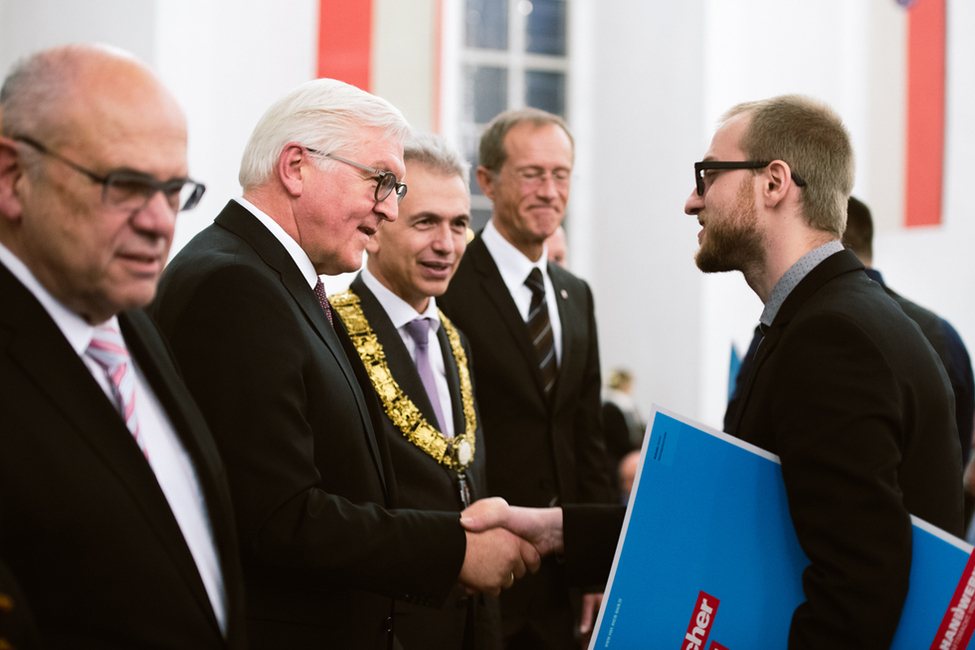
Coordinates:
x,y
647,109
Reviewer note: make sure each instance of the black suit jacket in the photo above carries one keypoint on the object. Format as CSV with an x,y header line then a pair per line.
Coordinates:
x,y
849,394
425,484
311,481
84,527
540,451
954,357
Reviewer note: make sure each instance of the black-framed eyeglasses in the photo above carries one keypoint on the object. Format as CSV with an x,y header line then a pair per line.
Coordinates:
x,y
129,190
701,167
386,182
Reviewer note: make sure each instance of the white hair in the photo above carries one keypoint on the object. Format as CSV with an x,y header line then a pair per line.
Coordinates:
x,y
323,114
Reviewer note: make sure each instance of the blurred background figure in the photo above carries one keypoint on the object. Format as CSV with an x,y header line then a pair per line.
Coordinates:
x,y
627,474
558,249
939,332
623,429
620,408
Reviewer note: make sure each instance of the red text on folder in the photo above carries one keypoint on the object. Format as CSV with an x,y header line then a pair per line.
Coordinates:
x,y
957,626
701,621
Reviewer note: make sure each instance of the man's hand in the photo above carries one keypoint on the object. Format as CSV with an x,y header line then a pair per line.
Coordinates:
x,y
540,526
587,617
494,559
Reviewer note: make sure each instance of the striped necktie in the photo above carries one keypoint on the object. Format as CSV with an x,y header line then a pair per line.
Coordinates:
x,y
107,349
540,328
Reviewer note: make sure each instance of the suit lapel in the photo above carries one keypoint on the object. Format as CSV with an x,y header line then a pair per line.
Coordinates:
x,y
39,348
841,262
571,317
497,292
241,222
136,329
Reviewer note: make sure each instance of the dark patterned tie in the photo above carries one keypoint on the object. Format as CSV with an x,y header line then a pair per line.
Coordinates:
x,y
323,301
540,328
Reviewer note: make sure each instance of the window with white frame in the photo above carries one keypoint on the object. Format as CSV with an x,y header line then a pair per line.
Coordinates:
x,y
514,53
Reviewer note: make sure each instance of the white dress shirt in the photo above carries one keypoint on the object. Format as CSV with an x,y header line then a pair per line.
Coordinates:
x,y
401,313
515,267
168,458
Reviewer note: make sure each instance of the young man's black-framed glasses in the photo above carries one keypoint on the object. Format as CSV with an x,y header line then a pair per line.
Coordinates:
x,y
386,182
703,166
129,190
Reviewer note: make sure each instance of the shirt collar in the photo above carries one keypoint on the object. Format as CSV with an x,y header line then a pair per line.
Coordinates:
x,y
791,278
399,311
75,329
512,263
302,261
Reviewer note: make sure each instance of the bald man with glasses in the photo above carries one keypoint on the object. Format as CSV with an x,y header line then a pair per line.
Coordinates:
x,y
115,516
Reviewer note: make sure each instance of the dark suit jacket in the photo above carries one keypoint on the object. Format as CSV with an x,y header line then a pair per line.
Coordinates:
x,y
17,628
540,452
425,484
852,398
84,527
310,479
954,357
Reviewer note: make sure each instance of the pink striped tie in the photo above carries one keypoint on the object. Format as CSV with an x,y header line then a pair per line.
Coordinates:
x,y
108,350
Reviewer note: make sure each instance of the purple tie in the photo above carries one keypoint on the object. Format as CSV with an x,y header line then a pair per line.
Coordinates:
x,y
419,330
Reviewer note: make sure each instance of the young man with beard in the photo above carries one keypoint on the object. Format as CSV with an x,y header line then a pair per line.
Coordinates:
x,y
845,389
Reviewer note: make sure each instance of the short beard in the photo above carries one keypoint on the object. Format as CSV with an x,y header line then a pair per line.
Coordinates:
x,y
733,241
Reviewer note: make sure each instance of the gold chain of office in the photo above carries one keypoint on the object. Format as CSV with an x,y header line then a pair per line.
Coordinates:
x,y
456,453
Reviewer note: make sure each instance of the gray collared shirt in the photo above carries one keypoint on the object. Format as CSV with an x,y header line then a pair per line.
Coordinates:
x,y
791,278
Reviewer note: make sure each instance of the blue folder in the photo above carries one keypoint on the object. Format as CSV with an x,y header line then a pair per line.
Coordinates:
x,y
708,521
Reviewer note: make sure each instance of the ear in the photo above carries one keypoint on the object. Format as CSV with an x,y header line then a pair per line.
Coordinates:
x,y
485,178
12,178
290,168
777,179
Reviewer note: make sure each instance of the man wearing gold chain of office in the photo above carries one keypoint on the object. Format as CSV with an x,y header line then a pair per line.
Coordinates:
x,y
419,365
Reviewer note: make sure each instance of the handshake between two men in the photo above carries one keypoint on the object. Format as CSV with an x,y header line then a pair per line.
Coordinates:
x,y
504,542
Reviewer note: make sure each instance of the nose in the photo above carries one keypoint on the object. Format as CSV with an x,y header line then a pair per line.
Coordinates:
x,y
388,208
547,187
443,240
157,218
694,203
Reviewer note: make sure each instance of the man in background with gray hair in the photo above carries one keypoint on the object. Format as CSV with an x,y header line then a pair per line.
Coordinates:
x,y
429,418
291,405
532,327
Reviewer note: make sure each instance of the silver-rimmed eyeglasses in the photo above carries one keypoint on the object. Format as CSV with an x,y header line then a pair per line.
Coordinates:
x,y
386,182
